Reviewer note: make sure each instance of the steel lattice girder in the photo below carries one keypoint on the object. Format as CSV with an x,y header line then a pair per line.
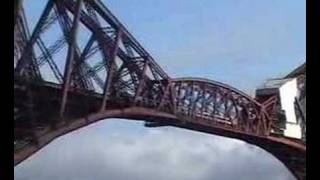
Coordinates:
x,y
132,80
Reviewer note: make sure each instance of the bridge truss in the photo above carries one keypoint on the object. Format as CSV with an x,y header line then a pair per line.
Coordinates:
x,y
79,64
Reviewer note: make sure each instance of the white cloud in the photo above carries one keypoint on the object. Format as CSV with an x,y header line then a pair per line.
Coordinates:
x,y
144,154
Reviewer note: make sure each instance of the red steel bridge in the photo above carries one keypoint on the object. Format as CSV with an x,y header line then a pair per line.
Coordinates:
x,y
79,65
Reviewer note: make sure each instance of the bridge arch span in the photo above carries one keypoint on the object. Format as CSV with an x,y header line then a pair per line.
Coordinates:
x,y
133,86
274,146
219,104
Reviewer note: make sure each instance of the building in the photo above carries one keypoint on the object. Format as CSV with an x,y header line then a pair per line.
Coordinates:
x,y
290,107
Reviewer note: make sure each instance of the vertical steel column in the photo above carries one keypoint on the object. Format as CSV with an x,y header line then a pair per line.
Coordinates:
x,y
164,96
109,78
70,57
141,83
17,7
203,99
215,92
173,96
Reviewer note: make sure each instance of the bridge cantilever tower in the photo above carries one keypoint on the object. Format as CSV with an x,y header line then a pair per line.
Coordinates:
x,y
80,65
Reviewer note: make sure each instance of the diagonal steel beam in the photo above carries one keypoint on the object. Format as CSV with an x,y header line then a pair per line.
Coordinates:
x,y
78,67
109,78
104,12
24,59
70,56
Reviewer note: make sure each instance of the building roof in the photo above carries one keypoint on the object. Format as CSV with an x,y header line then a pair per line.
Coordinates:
x,y
298,71
274,83
271,86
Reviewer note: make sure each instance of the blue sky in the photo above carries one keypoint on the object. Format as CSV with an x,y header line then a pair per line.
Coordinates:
x,y
237,42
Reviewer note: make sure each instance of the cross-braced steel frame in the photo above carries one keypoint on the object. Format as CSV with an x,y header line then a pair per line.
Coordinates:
x,y
79,64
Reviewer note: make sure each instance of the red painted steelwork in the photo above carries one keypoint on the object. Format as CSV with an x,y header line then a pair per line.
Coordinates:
x,y
126,83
